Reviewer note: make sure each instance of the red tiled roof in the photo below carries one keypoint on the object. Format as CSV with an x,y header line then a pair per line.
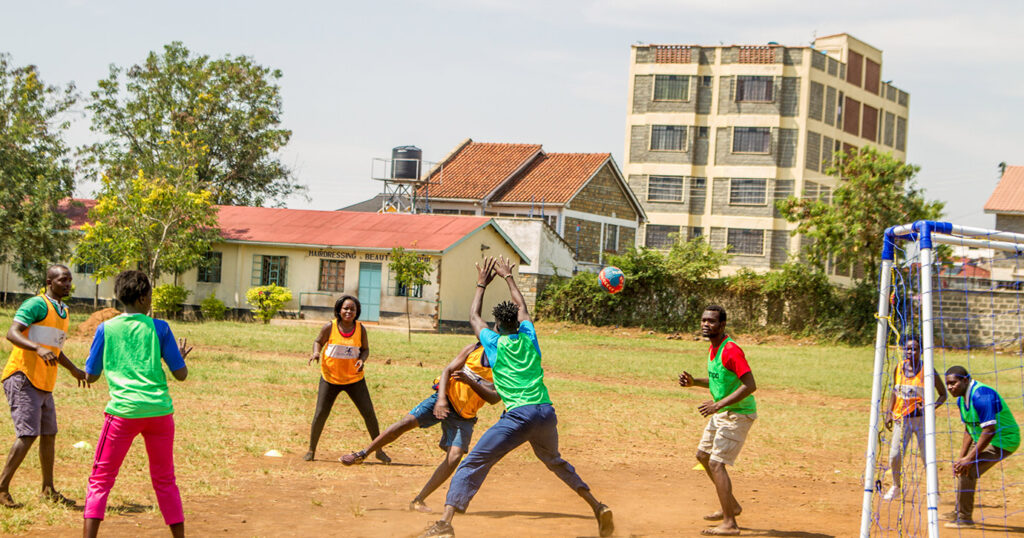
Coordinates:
x,y
478,168
76,209
552,178
1009,194
350,229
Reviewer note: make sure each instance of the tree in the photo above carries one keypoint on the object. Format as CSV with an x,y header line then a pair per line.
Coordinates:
x,y
231,106
410,271
875,191
267,300
36,173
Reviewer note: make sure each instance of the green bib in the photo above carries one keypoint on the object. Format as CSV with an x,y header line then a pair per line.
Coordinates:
x,y
518,375
724,382
1007,434
134,368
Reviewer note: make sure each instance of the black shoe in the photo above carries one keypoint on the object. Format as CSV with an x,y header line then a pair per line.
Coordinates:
x,y
440,529
383,458
605,524
309,456
354,458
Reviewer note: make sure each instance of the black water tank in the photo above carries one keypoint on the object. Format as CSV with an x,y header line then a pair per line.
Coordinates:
x,y
405,162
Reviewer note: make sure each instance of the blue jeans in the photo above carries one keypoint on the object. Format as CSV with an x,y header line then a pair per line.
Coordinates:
x,y
537,424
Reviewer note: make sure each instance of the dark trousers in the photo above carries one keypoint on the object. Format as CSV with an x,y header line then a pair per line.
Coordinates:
x,y
537,424
325,397
966,483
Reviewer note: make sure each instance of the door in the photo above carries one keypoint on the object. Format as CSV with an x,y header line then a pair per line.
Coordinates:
x,y
369,291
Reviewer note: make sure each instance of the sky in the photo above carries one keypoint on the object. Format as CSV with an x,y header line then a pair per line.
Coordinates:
x,y
363,77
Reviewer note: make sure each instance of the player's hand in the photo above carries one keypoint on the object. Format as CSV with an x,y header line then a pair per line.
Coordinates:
x,y
485,272
460,375
78,374
48,356
503,266
685,379
314,358
961,466
441,409
708,408
184,348
359,365
888,421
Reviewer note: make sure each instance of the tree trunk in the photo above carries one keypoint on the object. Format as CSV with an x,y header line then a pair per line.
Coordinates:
x,y
408,320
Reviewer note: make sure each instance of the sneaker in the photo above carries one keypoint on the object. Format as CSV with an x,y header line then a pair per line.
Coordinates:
x,y
354,458
605,525
383,458
439,529
949,516
960,524
889,494
53,496
7,501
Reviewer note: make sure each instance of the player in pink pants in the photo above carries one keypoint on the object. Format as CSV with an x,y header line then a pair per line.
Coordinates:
x,y
131,350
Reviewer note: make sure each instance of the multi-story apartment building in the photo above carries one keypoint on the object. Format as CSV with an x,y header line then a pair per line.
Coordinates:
x,y
717,134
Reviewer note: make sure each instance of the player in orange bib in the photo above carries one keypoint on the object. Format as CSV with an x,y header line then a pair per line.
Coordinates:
x,y
463,387
342,349
905,417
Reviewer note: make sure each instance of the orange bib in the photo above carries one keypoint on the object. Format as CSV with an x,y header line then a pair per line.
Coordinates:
x,y
338,357
50,332
461,396
909,392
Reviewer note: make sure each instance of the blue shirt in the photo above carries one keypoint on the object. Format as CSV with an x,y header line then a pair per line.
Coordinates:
x,y
986,403
489,339
168,348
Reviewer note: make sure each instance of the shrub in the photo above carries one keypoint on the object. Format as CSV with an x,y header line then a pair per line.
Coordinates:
x,y
169,299
213,309
267,300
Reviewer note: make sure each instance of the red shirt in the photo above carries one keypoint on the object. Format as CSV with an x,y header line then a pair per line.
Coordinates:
x,y
733,359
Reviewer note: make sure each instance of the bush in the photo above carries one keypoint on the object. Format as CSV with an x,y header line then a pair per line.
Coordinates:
x,y
267,300
169,299
213,309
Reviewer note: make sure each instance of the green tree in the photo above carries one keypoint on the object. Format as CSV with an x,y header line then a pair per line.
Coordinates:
x,y
267,300
875,191
231,106
36,173
410,271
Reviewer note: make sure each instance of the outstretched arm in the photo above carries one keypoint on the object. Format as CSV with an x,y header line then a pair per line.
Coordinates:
x,y
503,268
485,273
441,407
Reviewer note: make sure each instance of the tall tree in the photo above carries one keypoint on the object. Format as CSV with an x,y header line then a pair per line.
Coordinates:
x,y
231,106
875,191
410,271
36,173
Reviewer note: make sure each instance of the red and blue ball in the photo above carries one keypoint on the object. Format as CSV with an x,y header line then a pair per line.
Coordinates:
x,y
611,279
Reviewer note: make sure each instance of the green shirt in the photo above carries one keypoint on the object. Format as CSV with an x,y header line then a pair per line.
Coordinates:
x,y
982,406
722,381
134,369
518,376
33,310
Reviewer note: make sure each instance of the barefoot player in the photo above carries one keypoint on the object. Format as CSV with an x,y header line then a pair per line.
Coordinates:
x,y
732,411
463,387
529,416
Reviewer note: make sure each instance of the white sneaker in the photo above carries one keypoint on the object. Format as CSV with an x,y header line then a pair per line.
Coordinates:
x,y
889,494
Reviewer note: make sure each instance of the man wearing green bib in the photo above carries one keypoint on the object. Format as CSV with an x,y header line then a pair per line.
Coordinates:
x,y
732,411
991,434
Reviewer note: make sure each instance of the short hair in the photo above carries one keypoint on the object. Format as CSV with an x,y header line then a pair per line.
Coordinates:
x,y
910,338
341,301
131,285
54,270
959,371
716,308
506,313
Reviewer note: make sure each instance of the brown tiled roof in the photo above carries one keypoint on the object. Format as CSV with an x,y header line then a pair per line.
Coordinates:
x,y
552,178
1009,194
478,168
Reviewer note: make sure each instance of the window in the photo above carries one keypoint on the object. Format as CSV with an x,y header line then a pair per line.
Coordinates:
x,y
660,236
332,275
209,267
744,241
401,290
754,89
611,238
665,189
267,270
85,268
696,232
671,87
668,137
751,140
748,191
702,132
706,81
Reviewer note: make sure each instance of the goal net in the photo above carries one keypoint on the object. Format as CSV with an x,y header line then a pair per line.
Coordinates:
x,y
948,296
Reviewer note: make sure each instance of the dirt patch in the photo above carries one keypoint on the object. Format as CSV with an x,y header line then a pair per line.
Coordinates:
x,y
88,327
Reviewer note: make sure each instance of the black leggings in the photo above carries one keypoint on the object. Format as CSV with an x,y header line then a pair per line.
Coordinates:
x,y
327,393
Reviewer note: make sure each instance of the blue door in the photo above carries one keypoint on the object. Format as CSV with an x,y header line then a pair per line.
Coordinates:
x,y
369,291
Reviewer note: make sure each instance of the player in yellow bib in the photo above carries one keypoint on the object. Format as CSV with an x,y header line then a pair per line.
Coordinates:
x,y
464,386
38,332
906,407
342,349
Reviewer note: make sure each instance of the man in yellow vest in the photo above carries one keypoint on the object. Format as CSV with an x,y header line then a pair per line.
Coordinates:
x,y
38,332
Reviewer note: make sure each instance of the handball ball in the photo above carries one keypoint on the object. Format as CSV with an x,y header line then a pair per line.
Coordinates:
x,y
611,279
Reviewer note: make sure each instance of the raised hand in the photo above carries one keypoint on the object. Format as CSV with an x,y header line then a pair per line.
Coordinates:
x,y
503,266
183,347
485,272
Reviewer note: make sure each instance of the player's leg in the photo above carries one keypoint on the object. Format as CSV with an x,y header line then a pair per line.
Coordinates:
x,y
730,435
544,440
897,447
27,417
158,433
115,440
967,482
47,451
456,435
704,449
359,393
325,396
388,436
14,458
